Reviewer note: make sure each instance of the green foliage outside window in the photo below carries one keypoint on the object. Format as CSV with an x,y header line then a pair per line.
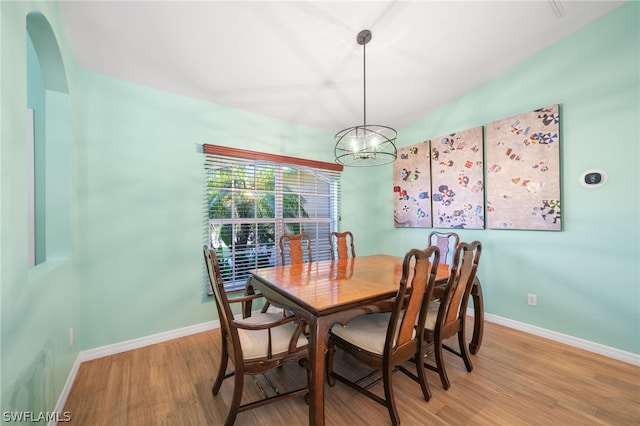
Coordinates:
x,y
243,213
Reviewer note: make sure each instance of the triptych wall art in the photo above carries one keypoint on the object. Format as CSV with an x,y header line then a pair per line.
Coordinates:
x,y
440,183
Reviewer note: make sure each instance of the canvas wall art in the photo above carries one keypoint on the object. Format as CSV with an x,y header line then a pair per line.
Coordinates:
x,y
457,180
523,171
412,187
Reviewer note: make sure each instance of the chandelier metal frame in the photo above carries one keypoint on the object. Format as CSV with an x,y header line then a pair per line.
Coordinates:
x,y
367,144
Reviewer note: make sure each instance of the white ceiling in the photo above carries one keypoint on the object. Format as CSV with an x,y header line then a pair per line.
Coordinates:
x,y
299,61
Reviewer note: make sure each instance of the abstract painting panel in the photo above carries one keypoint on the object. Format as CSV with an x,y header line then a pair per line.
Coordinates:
x,y
457,180
412,187
523,171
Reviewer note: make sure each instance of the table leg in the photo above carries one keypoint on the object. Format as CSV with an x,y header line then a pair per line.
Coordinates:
x,y
317,351
478,317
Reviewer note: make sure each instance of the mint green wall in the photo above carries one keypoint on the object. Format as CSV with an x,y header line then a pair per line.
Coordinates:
x,y
38,305
586,277
142,225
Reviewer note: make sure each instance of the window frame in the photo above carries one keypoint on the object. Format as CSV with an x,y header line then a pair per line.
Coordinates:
x,y
326,200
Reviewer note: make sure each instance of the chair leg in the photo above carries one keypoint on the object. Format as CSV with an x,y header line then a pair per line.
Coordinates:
x,y
387,374
478,319
464,352
238,383
331,349
422,377
437,349
222,370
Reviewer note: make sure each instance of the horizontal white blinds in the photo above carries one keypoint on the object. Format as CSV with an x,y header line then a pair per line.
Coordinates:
x,y
251,202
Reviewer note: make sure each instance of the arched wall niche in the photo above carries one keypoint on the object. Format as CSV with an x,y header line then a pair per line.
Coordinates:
x,y
46,46
48,147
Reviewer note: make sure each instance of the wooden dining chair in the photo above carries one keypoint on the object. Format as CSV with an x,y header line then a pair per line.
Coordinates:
x,y
447,242
446,316
292,244
340,243
385,340
255,344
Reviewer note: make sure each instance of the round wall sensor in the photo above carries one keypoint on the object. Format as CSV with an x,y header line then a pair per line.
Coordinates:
x,y
593,178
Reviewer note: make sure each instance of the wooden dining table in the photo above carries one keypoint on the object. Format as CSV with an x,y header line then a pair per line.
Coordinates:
x,y
329,292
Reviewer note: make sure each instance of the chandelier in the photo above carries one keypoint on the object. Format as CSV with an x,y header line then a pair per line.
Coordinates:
x,y
366,144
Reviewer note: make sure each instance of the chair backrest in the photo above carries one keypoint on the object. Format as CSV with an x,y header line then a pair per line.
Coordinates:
x,y
224,310
447,242
453,303
409,310
294,243
340,242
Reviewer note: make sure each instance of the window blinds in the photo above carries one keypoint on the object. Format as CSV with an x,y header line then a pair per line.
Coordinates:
x,y
253,199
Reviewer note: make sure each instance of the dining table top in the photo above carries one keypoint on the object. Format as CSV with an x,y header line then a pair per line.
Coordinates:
x,y
322,287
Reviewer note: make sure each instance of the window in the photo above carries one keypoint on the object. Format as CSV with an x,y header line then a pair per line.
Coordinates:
x,y
253,198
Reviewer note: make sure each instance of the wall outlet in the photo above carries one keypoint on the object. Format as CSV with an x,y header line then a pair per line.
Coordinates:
x,y
532,300
72,336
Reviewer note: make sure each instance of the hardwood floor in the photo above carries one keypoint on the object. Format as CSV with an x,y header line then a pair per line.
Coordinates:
x,y
517,379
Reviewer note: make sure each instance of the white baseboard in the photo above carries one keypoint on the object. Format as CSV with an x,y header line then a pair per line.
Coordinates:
x,y
66,390
141,342
620,355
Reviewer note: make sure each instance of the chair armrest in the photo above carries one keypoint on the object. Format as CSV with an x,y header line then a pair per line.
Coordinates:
x,y
246,301
249,291
263,325
246,298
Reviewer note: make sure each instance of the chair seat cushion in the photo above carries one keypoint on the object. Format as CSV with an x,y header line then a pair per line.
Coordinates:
x,y
255,343
368,331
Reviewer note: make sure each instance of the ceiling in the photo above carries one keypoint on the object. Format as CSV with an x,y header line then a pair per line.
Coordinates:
x,y
299,61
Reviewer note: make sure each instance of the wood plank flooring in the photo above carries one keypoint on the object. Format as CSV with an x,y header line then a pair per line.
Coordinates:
x,y
518,379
